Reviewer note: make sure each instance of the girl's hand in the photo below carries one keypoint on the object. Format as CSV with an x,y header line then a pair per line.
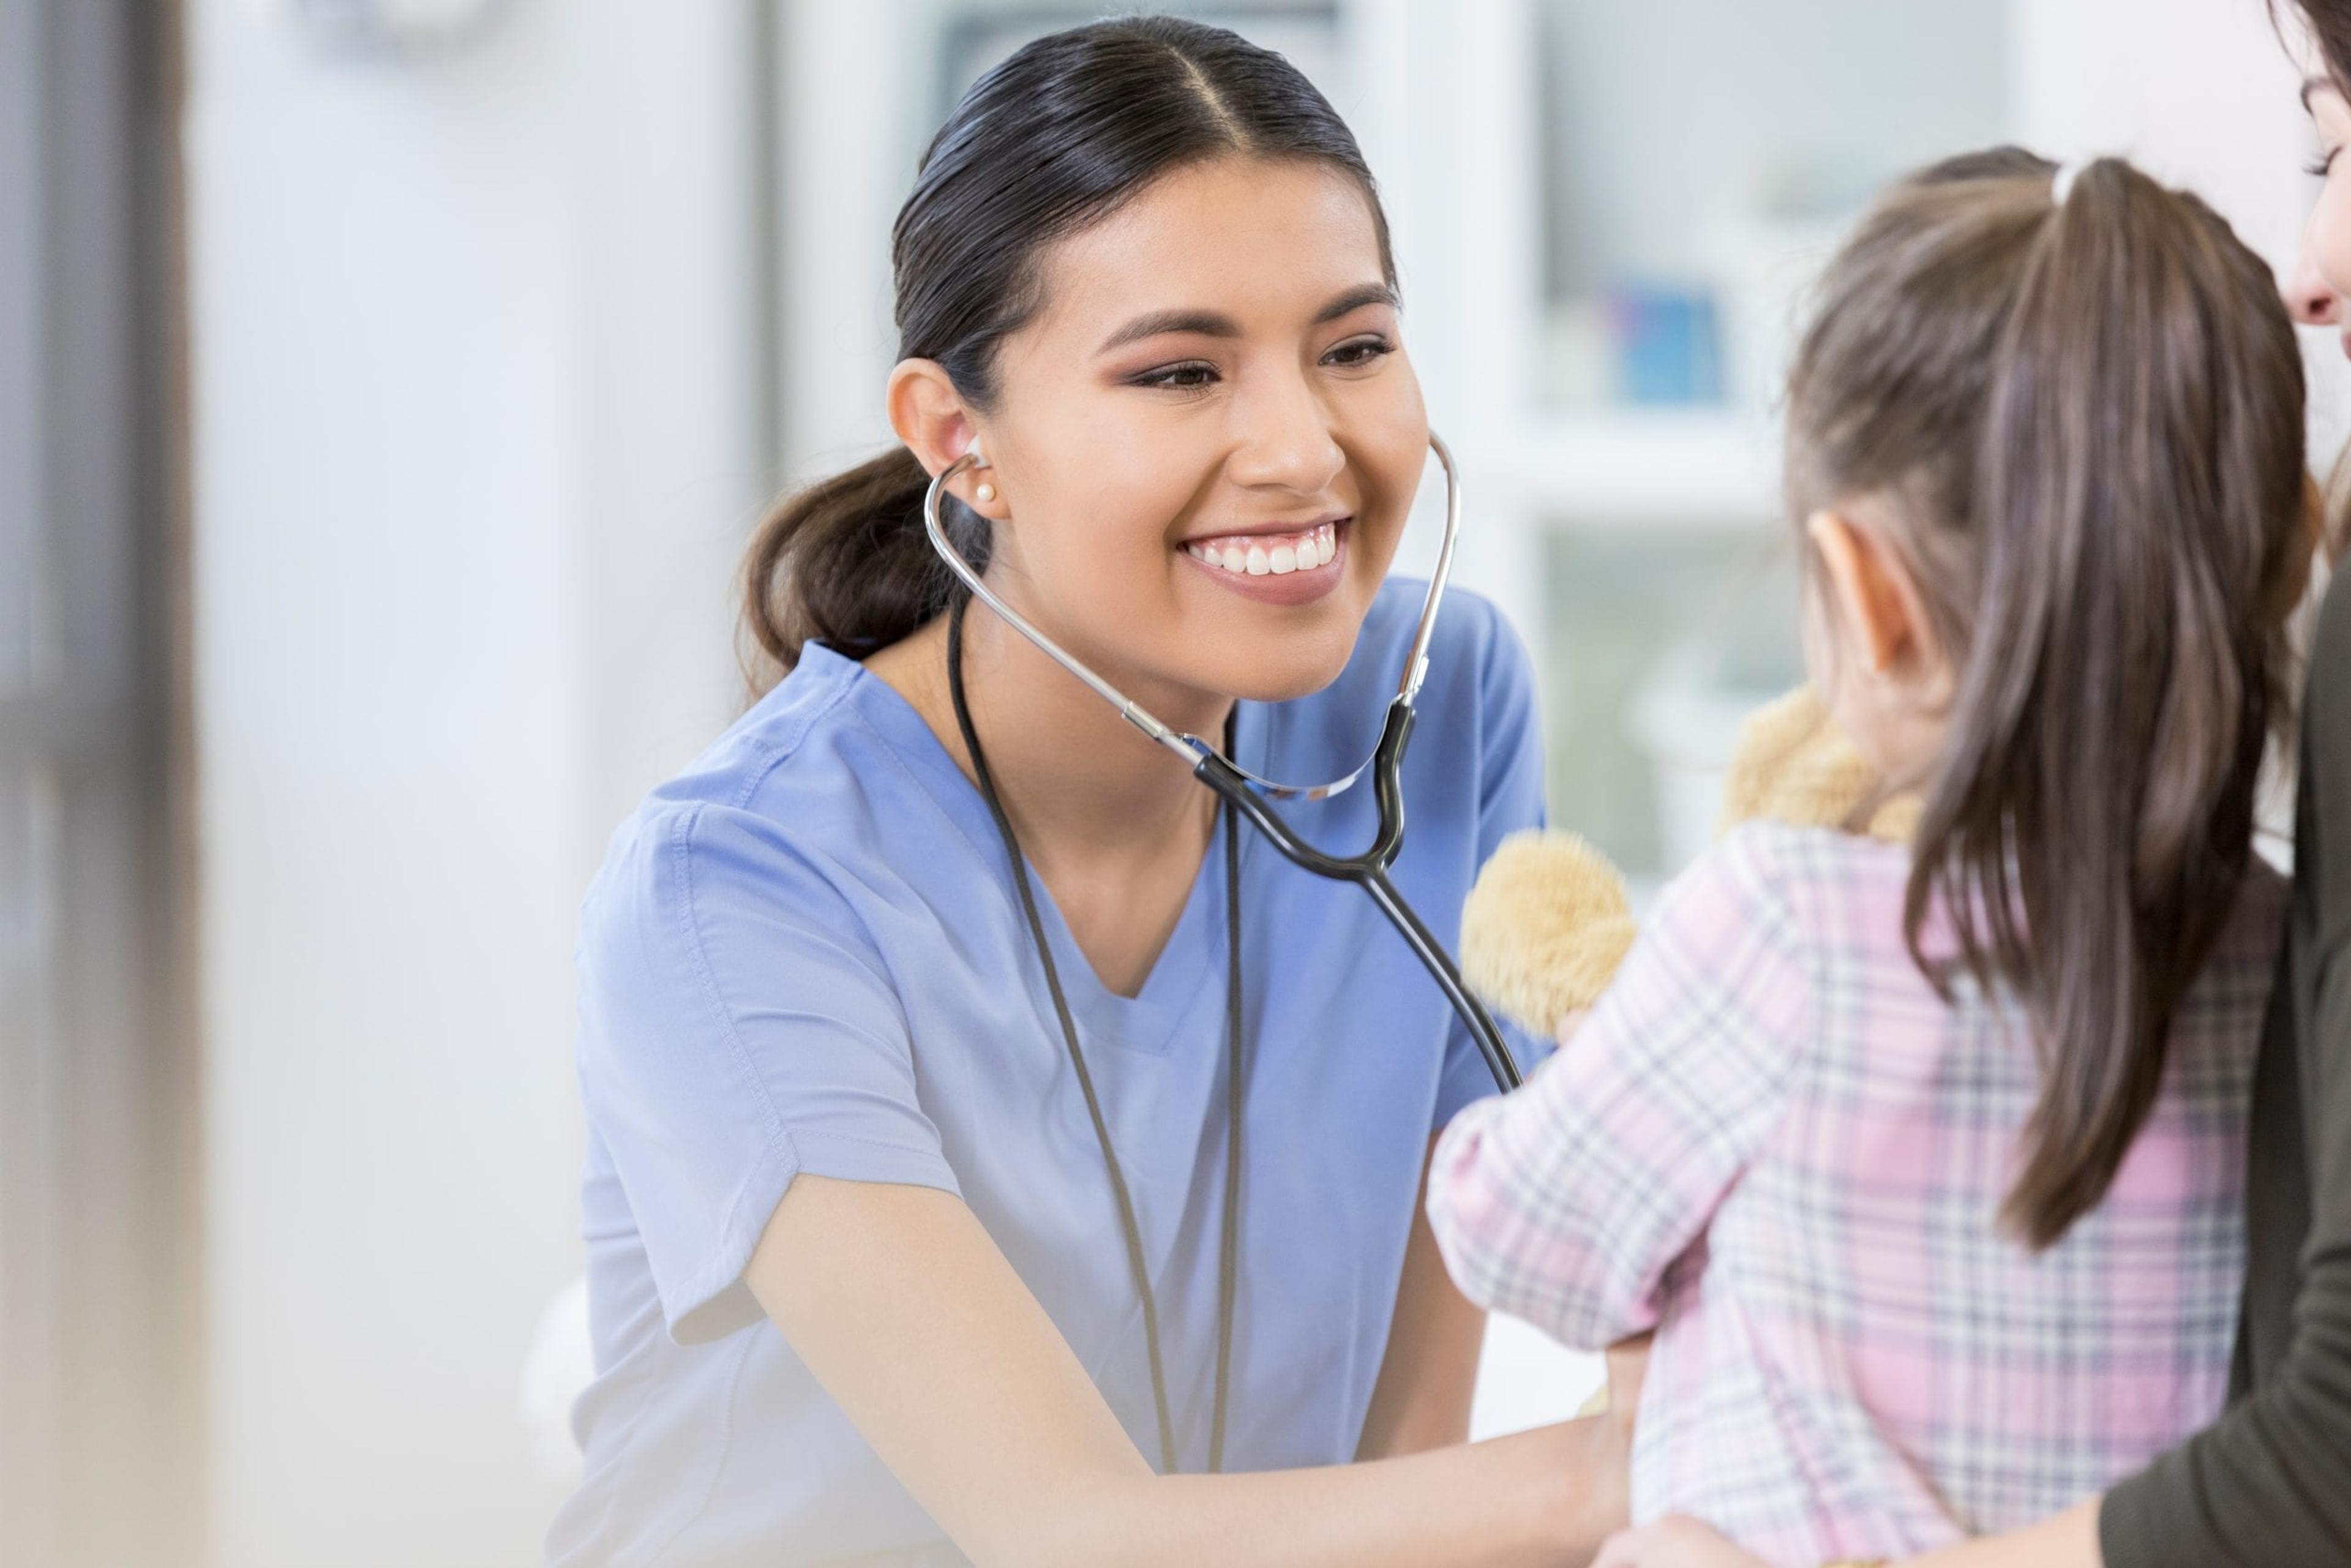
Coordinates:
x,y
1678,1541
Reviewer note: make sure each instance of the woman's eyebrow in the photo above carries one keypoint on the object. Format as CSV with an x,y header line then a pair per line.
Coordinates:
x,y
1355,299
1206,323
1210,324
2313,86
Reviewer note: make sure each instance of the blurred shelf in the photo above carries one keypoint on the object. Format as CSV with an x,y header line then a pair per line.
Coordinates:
x,y
1699,469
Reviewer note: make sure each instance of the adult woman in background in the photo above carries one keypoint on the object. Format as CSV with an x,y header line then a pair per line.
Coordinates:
x,y
2269,1484
1047,1187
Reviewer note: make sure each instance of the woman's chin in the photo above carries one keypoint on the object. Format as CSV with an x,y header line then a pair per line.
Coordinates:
x,y
1292,672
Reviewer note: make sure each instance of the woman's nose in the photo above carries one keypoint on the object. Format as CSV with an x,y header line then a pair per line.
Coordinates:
x,y
1289,442
2309,298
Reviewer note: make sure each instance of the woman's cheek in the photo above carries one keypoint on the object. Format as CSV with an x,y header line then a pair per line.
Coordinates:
x,y
2330,234
1395,452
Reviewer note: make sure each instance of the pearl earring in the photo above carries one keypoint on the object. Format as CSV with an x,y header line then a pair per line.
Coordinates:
x,y
986,493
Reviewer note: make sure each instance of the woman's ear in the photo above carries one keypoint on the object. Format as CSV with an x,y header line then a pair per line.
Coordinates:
x,y
1871,590
938,426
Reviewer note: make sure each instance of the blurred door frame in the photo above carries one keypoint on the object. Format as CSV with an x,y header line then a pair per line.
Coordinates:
x,y
102,1321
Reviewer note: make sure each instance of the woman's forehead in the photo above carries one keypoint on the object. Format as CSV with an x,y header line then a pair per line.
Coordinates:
x,y
1264,243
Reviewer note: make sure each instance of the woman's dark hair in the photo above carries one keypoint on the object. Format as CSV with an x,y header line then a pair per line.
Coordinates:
x,y
2087,419
2330,29
1055,138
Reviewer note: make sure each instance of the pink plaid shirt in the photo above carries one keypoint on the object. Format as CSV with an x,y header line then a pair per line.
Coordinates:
x,y
1774,1145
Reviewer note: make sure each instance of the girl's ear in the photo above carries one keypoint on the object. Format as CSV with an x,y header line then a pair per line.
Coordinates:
x,y
938,426
1873,594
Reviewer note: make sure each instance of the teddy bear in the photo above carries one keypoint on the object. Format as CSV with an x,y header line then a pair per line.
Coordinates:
x,y
1548,922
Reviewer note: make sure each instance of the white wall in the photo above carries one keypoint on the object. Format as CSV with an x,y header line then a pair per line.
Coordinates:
x,y
2200,92
476,383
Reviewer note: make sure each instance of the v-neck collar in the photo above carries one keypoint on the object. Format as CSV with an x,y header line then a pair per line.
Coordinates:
x,y
1174,990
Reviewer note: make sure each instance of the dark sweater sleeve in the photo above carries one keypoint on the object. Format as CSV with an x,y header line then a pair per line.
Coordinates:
x,y
2269,1485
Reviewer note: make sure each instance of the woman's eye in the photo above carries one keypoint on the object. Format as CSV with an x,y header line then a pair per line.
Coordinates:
x,y
2323,164
1191,376
1359,352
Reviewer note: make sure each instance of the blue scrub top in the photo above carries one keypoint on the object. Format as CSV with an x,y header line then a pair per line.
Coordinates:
x,y
806,954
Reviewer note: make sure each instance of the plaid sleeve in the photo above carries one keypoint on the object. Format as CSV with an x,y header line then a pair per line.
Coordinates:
x,y
1567,1202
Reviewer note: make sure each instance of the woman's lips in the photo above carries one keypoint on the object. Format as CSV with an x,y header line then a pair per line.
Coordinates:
x,y
1273,569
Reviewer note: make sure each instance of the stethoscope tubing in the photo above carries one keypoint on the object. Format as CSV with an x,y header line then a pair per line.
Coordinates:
x,y
1252,796
1369,870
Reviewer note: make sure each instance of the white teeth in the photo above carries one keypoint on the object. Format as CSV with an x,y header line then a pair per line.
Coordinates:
x,y
1271,555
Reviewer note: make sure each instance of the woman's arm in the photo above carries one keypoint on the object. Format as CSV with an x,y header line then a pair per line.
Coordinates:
x,y
899,1303
1431,1371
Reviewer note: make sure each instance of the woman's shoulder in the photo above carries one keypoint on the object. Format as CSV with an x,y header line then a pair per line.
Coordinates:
x,y
1475,657
1469,631
770,806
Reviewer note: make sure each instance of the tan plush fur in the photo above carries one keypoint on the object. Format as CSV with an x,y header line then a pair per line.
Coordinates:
x,y
1548,923
1544,928
1793,764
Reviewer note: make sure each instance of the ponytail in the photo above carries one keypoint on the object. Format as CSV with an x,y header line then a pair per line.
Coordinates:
x,y
2092,413
846,561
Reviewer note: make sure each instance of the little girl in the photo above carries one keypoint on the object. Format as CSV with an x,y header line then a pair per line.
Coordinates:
x,y
1924,1161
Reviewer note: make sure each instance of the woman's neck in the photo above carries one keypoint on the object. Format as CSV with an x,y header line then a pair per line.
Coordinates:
x,y
1113,823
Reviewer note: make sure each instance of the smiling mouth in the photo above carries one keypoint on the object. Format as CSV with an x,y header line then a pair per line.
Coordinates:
x,y
1268,555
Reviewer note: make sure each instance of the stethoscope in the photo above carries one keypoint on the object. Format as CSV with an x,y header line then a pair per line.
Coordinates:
x,y
1250,795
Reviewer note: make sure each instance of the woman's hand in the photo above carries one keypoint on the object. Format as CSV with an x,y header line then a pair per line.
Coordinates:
x,y
1678,1541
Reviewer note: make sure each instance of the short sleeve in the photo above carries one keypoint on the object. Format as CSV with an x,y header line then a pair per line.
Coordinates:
x,y
1509,797
1569,1202
736,1028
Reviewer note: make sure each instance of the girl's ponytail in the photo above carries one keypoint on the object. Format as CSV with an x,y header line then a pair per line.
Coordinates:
x,y
2141,481
2090,413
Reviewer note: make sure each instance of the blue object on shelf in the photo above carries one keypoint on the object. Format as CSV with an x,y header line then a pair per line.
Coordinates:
x,y
1668,344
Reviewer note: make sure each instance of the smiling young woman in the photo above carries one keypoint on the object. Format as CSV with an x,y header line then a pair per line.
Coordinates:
x,y
936,1019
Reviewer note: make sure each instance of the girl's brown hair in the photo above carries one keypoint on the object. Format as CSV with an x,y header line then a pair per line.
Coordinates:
x,y
1056,138
2089,419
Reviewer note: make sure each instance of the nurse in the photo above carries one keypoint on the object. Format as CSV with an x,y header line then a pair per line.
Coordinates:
x,y
980,1129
